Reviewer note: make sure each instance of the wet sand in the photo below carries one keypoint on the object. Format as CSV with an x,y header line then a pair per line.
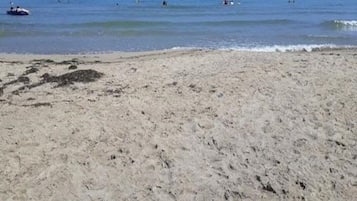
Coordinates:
x,y
179,125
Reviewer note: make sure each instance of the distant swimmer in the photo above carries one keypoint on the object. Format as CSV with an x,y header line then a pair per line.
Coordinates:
x,y
228,2
164,3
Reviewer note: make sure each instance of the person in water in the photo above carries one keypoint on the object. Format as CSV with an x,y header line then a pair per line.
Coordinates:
x,y
228,2
164,3
14,9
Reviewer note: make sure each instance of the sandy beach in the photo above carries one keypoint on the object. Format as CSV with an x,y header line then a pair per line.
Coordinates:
x,y
179,125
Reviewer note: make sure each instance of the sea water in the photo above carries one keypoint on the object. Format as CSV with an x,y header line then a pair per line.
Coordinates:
x,y
85,26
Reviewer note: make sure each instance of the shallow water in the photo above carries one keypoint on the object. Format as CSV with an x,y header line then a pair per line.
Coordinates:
x,y
69,26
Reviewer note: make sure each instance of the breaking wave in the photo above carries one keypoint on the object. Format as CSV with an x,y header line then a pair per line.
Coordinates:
x,y
290,48
345,25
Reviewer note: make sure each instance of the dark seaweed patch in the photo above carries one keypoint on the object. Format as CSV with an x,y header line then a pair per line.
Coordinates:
x,y
30,71
84,76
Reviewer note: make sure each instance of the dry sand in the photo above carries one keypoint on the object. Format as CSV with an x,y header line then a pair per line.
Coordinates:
x,y
179,125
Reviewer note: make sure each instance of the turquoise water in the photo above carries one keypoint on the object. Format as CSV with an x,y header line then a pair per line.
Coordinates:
x,y
79,26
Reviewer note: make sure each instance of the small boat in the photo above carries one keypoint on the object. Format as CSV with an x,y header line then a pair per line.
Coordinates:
x,y
18,11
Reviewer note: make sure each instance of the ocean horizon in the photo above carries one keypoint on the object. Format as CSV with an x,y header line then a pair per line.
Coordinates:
x,y
79,26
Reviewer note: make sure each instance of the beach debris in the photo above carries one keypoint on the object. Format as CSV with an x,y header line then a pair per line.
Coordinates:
x,y
116,92
266,187
23,79
73,61
30,71
172,84
195,88
166,162
84,76
72,67
337,142
9,83
301,184
269,188
45,104
43,61
235,195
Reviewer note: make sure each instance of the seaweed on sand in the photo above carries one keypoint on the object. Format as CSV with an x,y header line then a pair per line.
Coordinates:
x,y
66,79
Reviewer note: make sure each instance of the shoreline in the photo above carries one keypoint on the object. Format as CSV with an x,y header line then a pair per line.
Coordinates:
x,y
266,49
179,125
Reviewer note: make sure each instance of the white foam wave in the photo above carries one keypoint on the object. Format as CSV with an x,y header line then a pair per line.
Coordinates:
x,y
346,25
346,22
273,48
287,48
